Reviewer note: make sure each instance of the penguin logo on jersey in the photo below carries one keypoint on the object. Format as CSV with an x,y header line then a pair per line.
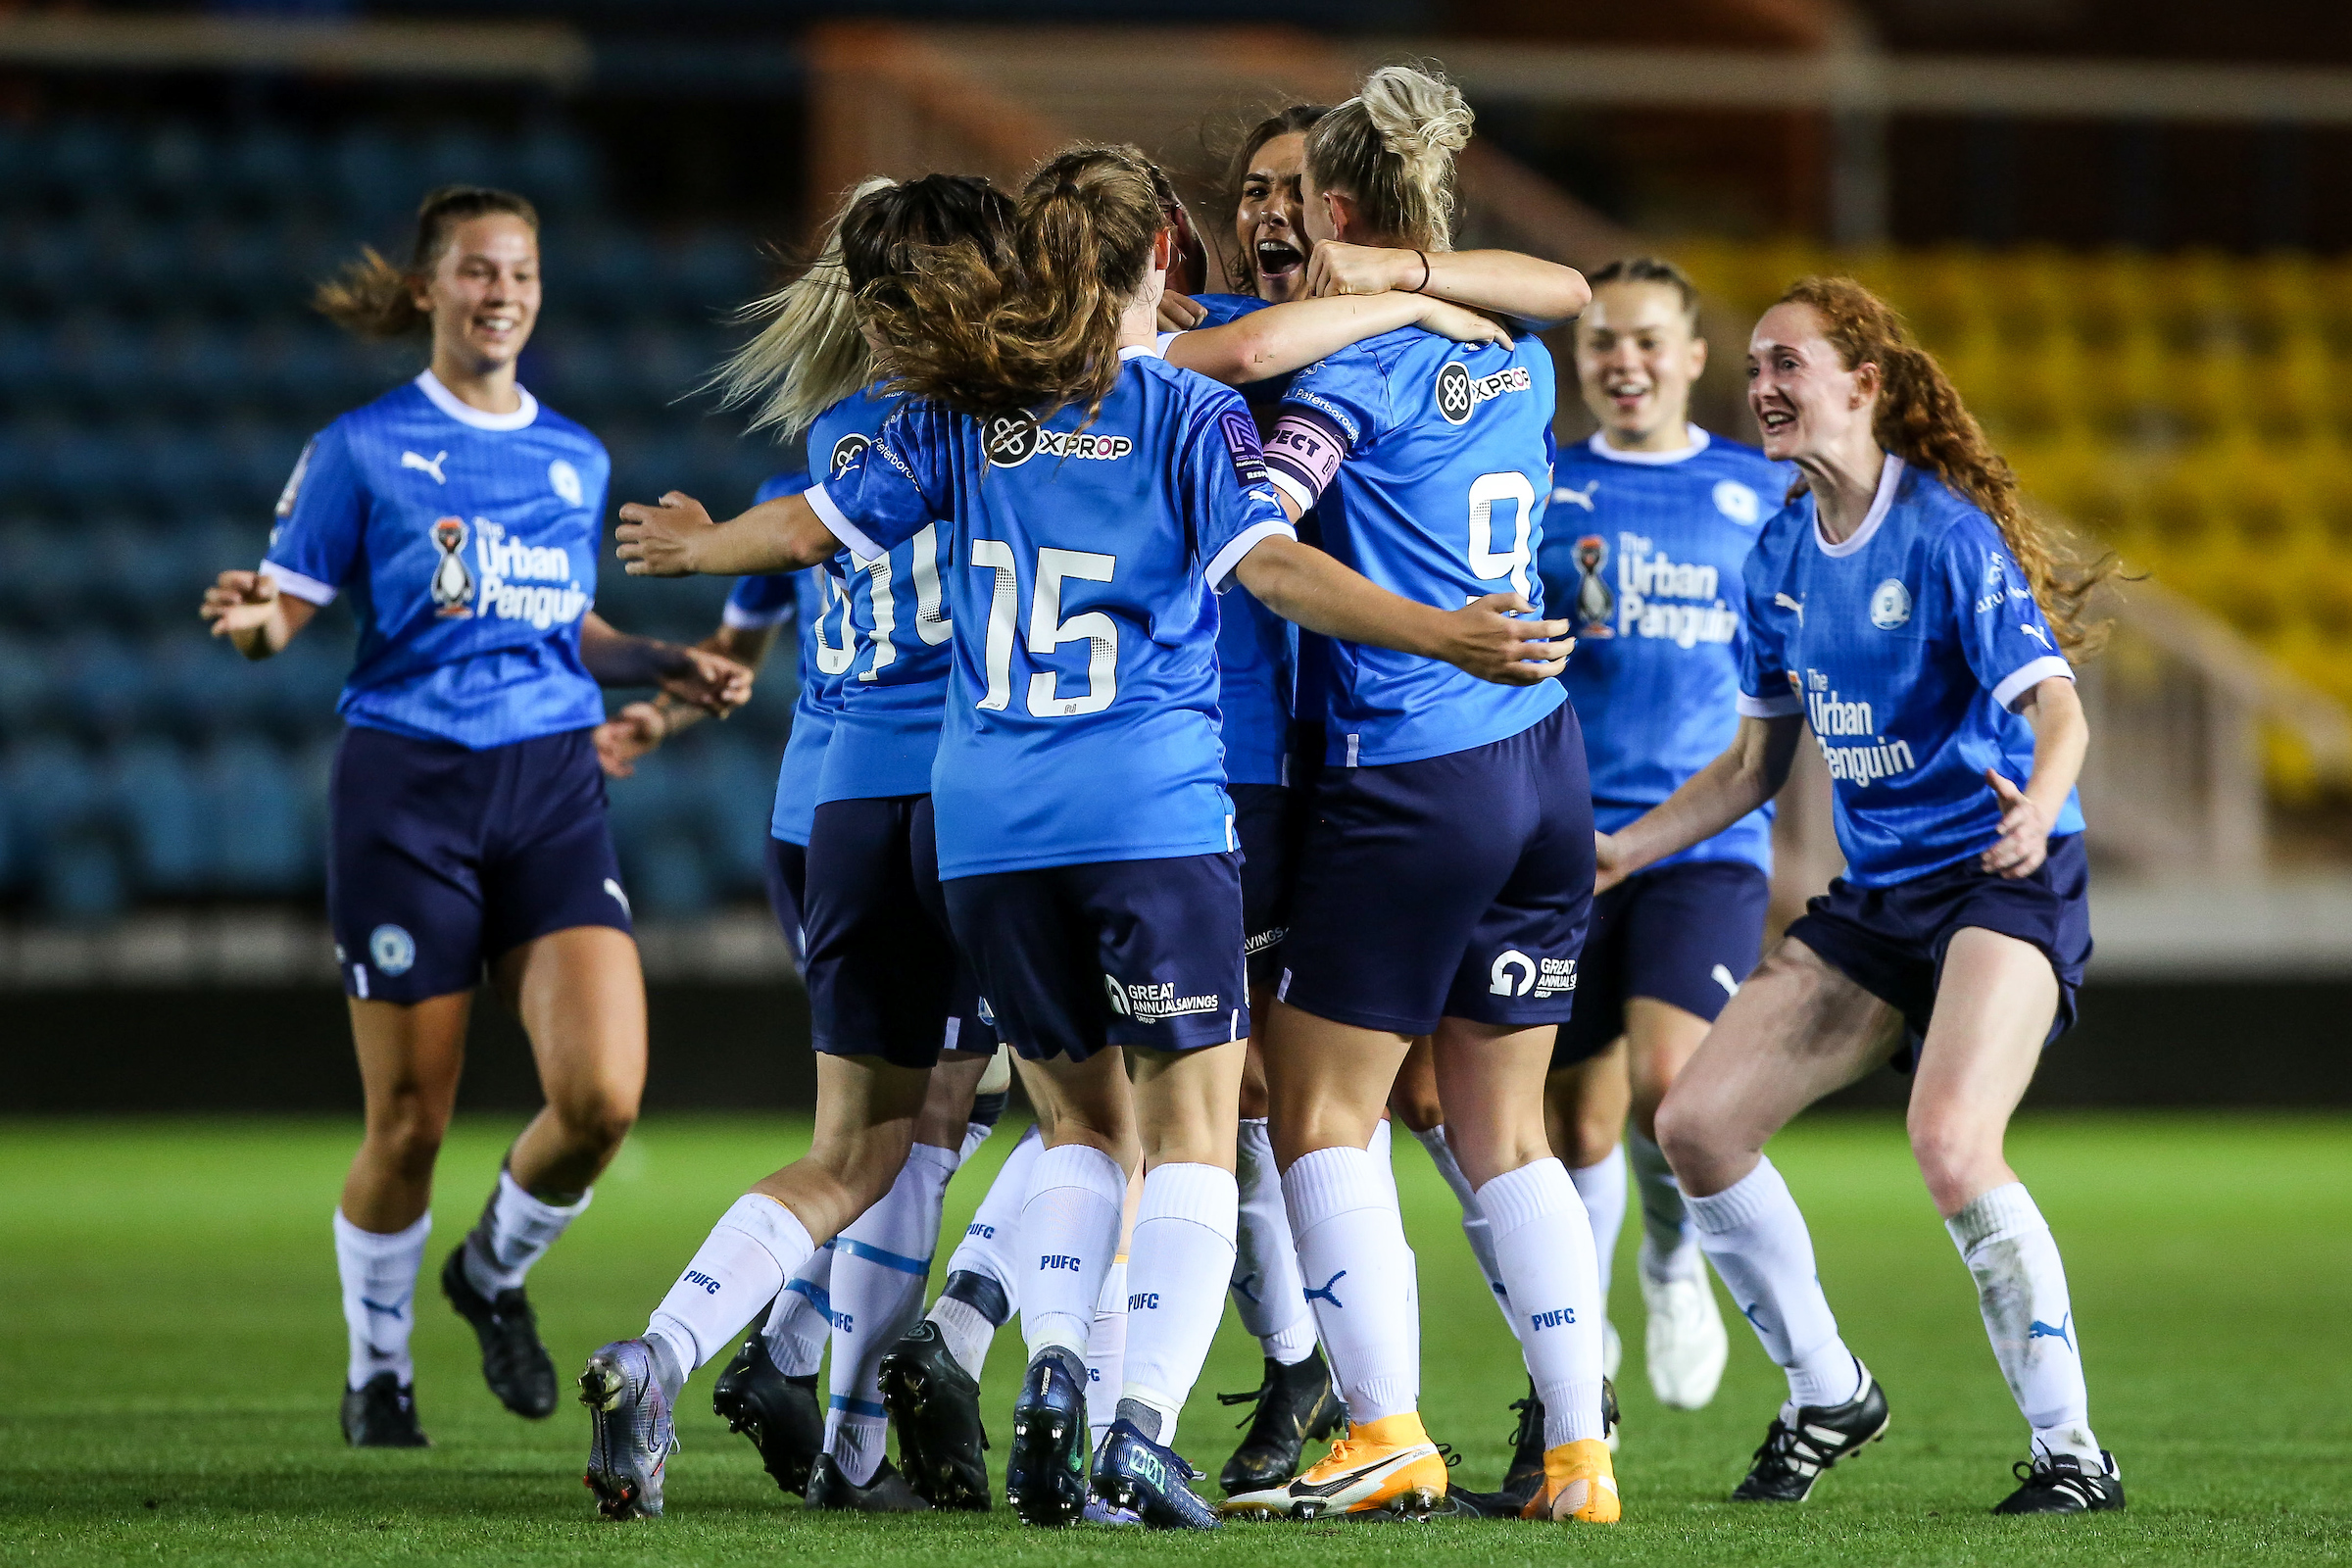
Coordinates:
x,y
565,480
1738,501
1454,397
1890,604
1009,439
1596,601
850,448
452,585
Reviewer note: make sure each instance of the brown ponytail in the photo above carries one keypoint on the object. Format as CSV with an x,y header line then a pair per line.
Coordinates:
x,y
985,339
1921,419
372,298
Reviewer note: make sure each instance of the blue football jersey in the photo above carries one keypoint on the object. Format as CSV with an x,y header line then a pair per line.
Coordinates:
x,y
1258,651
467,543
1433,462
1643,551
1082,720
1903,647
813,601
894,694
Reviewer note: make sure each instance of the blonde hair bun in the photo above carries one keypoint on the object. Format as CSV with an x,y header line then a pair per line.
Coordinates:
x,y
1417,114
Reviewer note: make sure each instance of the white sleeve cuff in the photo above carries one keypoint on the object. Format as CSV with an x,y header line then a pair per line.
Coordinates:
x,y
1291,487
1221,569
1788,706
853,538
2024,680
736,619
1160,346
310,590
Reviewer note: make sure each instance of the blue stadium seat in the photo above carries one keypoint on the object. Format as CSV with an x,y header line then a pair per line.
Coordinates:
x,y
739,786
84,158
266,167
60,819
254,818
556,169
375,176
157,798
175,164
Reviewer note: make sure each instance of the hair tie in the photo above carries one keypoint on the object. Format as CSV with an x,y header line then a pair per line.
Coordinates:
x,y
1424,283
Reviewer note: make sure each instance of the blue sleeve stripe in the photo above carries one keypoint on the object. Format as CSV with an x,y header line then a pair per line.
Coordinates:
x,y
875,1255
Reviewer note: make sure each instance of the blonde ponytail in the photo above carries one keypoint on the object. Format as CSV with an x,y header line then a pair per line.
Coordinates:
x,y
811,353
1391,147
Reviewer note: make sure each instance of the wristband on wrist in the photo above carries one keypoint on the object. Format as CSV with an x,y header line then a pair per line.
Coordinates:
x,y
1424,283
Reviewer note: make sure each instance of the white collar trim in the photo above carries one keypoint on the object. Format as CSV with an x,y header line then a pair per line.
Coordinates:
x,y
1891,476
1655,460
1144,351
466,414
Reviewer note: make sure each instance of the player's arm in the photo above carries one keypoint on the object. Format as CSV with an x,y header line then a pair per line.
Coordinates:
x,y
1747,774
1538,292
1304,585
1282,338
638,728
247,609
699,676
674,537
2061,738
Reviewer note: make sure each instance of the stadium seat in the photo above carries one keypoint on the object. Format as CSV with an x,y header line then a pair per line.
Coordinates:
x,y
253,818
156,796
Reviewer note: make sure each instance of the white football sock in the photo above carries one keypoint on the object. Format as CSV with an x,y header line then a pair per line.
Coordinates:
x,y
801,1322
379,1297
1670,1249
515,1232
1267,1294
1544,1246
990,1243
856,1439
1106,1353
1475,1229
2021,1288
1757,1238
1383,1149
881,1262
1602,1187
756,1245
1178,1266
1069,1235
1359,1275
975,1133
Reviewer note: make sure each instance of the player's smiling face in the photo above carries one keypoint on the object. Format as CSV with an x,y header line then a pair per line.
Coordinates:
x,y
1805,401
1636,359
1268,224
484,291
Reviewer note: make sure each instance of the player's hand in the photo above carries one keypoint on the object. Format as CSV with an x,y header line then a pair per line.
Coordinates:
x,y
1340,269
239,601
2025,840
712,682
628,735
1489,638
1180,312
1448,319
658,541
1608,862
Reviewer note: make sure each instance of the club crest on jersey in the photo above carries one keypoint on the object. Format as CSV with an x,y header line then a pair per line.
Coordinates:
x,y
850,448
1738,501
565,480
392,950
1458,395
452,585
1890,604
1596,599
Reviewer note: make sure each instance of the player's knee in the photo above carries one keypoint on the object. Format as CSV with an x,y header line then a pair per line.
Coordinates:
x,y
1690,1137
1417,1106
406,1135
1954,1152
597,1121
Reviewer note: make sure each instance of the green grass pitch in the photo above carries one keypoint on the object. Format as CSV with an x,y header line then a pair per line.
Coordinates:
x,y
171,1351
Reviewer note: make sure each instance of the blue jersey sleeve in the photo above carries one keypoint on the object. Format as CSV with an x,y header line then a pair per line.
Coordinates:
x,y
320,518
896,486
1225,488
1333,407
2008,641
1765,691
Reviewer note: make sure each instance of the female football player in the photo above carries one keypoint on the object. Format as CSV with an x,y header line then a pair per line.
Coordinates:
x,y
1084,830
468,808
1917,619
1443,888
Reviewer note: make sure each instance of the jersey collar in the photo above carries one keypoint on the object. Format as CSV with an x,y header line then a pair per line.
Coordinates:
x,y
1891,476
1146,351
1654,460
465,413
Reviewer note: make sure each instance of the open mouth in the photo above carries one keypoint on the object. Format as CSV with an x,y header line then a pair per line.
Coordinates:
x,y
1274,259
1775,419
1626,395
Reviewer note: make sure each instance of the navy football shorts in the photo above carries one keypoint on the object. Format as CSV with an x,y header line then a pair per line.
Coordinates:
x,y
884,976
1074,959
1269,820
1685,935
787,892
443,858
1890,941
1456,885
